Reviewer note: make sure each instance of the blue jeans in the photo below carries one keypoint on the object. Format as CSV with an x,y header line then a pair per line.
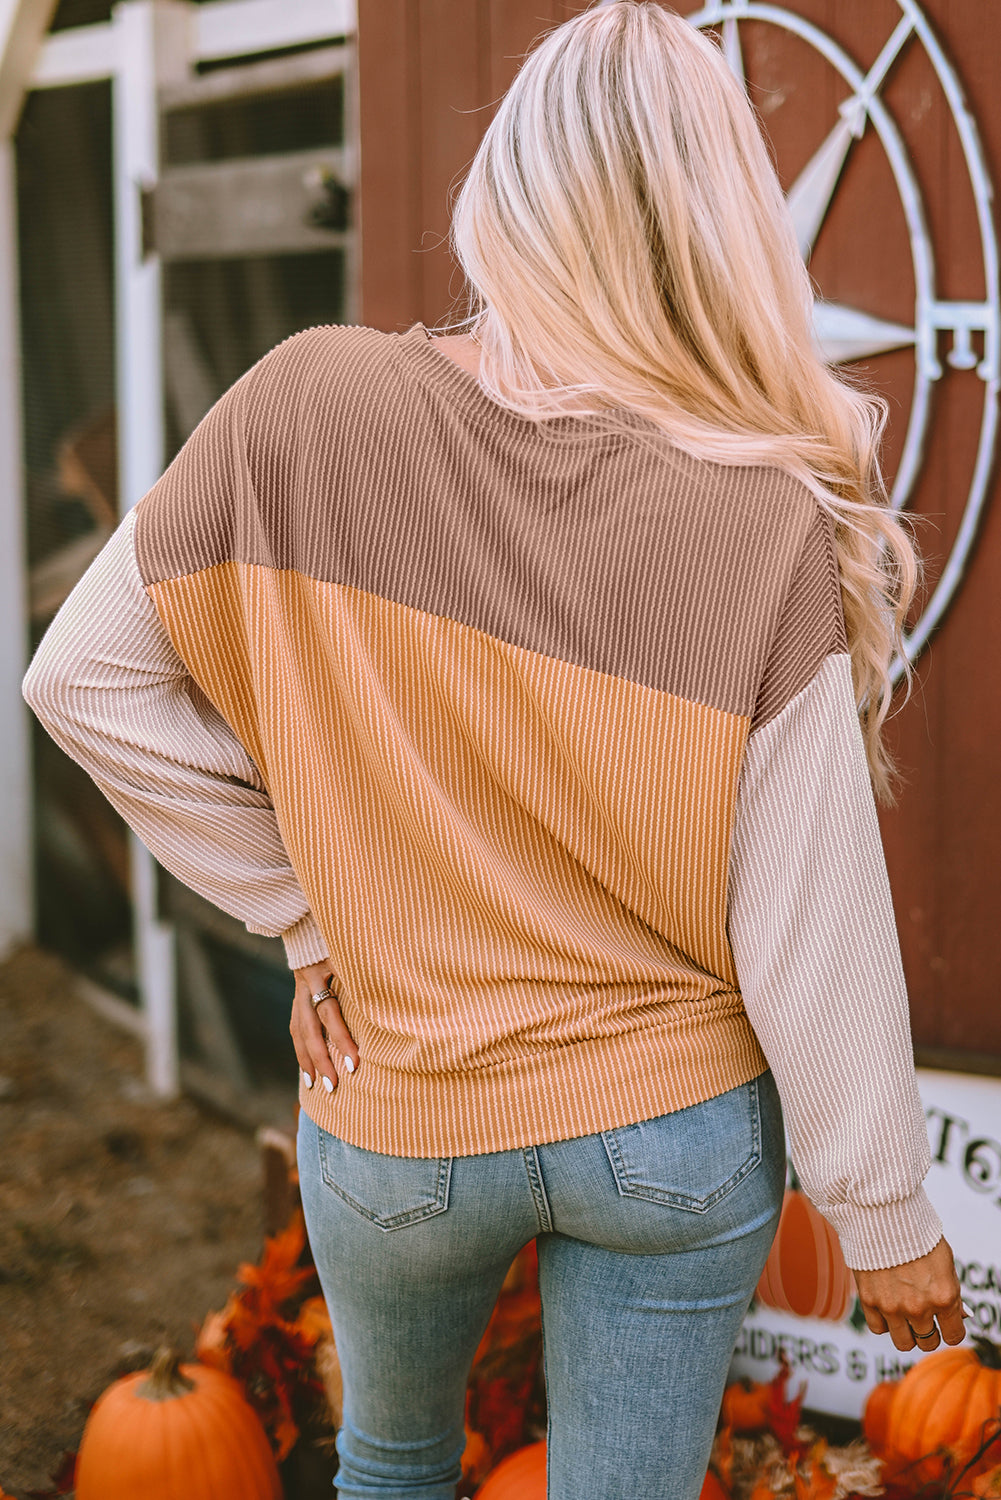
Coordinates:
x,y
651,1241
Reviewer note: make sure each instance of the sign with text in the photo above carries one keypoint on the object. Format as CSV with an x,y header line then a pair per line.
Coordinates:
x,y
826,1341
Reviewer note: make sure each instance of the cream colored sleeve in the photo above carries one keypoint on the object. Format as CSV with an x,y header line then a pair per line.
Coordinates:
x,y
815,944
110,689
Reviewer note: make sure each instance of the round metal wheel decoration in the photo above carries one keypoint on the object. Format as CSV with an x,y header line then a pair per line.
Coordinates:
x,y
968,332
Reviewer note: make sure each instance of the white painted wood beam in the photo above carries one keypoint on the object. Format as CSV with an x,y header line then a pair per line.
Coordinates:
x,y
152,40
220,29
16,887
23,24
231,28
83,54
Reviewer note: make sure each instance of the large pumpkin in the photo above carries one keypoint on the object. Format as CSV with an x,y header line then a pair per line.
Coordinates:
x,y
522,1476
175,1432
805,1272
944,1411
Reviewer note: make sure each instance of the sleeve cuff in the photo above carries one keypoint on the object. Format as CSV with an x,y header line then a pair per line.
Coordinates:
x,y
304,943
879,1235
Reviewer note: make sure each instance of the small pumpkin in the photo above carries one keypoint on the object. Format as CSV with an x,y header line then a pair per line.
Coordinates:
x,y
522,1476
746,1406
175,1432
945,1411
876,1416
805,1272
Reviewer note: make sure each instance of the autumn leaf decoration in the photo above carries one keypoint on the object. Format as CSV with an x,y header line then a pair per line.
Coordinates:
x,y
763,1450
277,1341
267,1337
505,1403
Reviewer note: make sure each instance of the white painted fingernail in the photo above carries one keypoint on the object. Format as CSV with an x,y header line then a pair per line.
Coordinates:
x,y
349,1066
967,1311
328,1084
307,1080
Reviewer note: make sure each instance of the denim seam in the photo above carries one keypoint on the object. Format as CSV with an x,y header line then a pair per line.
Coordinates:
x,y
627,1189
543,1214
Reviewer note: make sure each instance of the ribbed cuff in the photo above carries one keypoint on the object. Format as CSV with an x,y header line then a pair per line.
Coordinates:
x,y
304,943
879,1235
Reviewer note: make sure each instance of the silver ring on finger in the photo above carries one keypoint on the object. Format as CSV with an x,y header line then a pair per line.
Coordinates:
x,y
323,994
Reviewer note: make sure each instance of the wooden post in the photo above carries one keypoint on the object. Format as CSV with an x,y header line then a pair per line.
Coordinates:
x,y
16,875
152,47
281,1192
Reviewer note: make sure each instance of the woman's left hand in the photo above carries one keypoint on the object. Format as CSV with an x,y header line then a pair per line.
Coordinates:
x,y
906,1300
321,1057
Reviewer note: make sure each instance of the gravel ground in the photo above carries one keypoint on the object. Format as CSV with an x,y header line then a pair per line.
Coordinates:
x,y
122,1220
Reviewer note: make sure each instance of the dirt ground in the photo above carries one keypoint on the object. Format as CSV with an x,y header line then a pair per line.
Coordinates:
x,y
122,1220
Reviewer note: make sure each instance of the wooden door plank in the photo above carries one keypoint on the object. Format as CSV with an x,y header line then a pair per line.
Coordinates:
x,y
390,166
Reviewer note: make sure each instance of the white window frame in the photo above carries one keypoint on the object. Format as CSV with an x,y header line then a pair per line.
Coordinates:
x,y
146,45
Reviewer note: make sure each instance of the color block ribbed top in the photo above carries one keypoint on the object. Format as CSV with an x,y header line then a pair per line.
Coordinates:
x,y
542,732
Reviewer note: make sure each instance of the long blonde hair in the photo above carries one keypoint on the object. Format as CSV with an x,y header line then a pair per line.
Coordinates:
x,y
626,243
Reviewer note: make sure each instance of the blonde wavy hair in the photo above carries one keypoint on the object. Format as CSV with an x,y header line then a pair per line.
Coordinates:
x,y
625,243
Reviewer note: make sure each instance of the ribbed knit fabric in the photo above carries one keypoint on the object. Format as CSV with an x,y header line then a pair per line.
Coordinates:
x,y
542,732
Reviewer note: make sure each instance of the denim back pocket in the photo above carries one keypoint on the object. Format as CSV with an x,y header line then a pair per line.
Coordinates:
x,y
390,1191
693,1157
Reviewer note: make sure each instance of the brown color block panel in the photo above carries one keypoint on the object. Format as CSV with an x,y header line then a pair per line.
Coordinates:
x,y
371,460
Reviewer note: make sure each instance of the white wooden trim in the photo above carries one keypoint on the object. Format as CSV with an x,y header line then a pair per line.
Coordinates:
x,y
147,47
84,54
156,966
111,1007
143,31
16,889
252,80
232,28
23,24
220,29
137,281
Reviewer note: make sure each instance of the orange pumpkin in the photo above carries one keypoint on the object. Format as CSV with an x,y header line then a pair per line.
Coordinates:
x,y
195,1417
746,1406
522,1476
944,1411
876,1417
805,1272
